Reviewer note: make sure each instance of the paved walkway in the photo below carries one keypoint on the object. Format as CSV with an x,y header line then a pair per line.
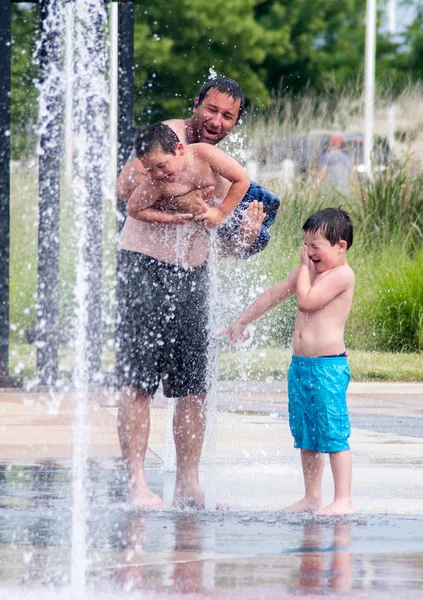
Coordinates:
x,y
250,552
253,463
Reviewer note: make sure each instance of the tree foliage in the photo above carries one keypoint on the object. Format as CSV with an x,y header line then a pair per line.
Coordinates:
x,y
268,46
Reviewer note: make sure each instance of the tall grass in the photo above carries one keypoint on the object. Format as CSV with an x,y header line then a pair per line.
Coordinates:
x,y
388,307
389,208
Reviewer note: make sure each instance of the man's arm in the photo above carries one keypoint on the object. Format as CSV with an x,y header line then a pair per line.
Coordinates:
x,y
154,215
144,196
131,176
312,298
263,304
229,169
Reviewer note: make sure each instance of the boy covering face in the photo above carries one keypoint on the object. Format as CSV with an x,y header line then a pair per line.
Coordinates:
x,y
319,374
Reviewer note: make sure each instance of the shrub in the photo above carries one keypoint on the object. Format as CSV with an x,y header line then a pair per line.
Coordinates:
x,y
388,306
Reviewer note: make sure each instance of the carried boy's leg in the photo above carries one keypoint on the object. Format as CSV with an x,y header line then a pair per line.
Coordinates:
x,y
341,464
313,464
133,430
189,425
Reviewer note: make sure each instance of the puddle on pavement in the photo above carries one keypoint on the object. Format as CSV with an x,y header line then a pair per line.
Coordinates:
x,y
185,554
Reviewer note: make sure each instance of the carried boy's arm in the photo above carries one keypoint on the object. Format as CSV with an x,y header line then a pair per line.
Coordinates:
x,y
263,304
229,169
311,298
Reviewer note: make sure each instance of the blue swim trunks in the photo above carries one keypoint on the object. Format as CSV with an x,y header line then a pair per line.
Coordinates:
x,y
317,406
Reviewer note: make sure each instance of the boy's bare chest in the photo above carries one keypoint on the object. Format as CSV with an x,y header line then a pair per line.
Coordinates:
x,y
195,180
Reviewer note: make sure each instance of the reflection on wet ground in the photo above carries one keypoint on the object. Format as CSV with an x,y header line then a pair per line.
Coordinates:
x,y
186,554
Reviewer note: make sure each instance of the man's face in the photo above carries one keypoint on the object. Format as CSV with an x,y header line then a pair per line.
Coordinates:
x,y
162,166
215,117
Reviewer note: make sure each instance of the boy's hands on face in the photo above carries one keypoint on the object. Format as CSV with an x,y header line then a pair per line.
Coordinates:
x,y
305,260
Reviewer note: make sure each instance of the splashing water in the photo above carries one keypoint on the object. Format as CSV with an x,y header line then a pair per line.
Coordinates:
x,y
89,103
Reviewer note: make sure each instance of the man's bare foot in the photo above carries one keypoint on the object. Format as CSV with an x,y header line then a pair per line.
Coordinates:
x,y
303,505
189,497
337,508
145,499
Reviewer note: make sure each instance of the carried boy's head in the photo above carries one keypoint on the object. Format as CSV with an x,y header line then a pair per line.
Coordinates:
x,y
158,136
333,223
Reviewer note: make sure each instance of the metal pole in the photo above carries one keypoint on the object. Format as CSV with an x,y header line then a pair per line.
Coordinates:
x,y
392,29
369,98
50,148
114,16
69,91
5,41
125,87
96,158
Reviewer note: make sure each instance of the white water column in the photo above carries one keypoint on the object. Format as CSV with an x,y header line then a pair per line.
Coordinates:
x,y
369,85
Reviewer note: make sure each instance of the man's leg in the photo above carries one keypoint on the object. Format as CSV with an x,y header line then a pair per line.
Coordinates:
x,y
189,425
313,464
133,430
341,464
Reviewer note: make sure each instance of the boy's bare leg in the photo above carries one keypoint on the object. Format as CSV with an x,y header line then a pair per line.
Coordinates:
x,y
133,430
189,425
313,464
341,464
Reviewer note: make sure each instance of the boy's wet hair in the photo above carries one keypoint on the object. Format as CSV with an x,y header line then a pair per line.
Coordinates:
x,y
150,138
334,223
227,86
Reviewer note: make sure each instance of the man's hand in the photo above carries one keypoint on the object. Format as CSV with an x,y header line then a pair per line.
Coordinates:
x,y
235,332
251,222
192,202
212,218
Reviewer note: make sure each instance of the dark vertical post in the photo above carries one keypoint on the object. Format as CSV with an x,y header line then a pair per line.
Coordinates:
x,y
48,293
95,223
125,85
5,40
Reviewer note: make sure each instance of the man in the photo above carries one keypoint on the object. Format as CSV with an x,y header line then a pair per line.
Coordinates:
x,y
217,110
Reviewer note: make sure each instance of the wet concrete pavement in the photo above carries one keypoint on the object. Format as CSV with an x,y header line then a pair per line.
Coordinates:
x,y
250,551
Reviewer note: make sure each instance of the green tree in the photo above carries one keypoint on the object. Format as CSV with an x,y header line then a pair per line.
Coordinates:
x,y
178,42
24,109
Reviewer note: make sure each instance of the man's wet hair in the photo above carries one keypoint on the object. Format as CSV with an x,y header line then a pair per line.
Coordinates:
x,y
158,135
227,86
334,223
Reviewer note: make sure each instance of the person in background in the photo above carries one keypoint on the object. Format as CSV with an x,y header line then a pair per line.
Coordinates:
x,y
335,167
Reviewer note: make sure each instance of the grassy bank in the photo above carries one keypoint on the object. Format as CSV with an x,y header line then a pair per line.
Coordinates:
x,y
272,363
385,329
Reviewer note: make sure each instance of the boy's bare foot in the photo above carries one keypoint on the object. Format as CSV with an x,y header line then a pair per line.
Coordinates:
x,y
337,508
303,505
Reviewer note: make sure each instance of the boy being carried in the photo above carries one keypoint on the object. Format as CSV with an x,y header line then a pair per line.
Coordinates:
x,y
319,374
173,170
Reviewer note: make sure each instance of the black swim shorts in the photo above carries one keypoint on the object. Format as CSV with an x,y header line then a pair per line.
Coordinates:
x,y
162,326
